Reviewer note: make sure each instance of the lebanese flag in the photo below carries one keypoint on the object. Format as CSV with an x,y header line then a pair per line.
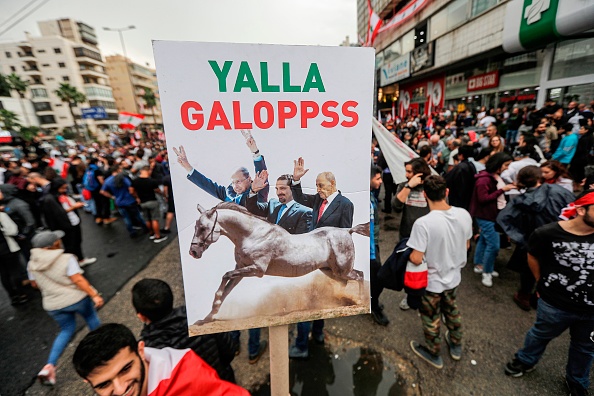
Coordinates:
x,y
130,120
373,27
182,372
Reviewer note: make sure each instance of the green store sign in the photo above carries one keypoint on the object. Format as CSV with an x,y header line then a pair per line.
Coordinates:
x,y
531,24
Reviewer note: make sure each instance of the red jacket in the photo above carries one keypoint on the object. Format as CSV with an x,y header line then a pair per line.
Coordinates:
x,y
483,204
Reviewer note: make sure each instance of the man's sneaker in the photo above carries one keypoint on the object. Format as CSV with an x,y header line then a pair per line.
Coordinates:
x,y
455,350
576,389
495,274
487,280
379,317
87,261
296,353
404,304
253,359
47,375
152,237
516,369
165,231
423,353
159,240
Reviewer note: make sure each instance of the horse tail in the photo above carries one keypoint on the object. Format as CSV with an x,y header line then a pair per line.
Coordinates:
x,y
362,229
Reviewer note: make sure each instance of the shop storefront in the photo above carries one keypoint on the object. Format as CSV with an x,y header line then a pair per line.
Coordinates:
x,y
422,97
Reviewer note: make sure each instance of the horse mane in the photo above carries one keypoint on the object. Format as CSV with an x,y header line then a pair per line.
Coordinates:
x,y
237,208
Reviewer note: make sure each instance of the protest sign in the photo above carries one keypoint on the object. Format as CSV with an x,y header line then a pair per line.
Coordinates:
x,y
231,110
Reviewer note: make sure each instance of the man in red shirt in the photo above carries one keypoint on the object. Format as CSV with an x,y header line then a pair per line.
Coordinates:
x,y
114,363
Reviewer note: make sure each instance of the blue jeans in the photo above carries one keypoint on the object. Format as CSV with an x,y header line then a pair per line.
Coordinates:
x,y
253,340
303,329
511,136
487,246
132,217
550,323
66,318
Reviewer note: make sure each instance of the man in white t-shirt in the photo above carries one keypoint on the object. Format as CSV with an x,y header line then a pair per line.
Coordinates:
x,y
440,241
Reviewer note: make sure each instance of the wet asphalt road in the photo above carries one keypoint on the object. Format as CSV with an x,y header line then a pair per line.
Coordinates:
x,y
27,332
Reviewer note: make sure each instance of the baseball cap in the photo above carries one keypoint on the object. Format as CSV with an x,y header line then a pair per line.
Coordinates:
x,y
46,238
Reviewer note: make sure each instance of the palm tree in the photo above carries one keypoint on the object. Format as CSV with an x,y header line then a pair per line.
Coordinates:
x,y
69,94
4,85
20,86
10,119
151,101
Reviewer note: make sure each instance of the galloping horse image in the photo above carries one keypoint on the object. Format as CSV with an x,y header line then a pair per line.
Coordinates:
x,y
262,249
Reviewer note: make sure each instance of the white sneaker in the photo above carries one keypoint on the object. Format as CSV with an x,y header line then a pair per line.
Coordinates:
x,y
47,375
87,261
495,274
152,237
487,280
404,304
478,269
159,240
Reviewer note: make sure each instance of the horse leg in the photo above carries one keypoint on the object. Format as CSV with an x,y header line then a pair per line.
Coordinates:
x,y
332,275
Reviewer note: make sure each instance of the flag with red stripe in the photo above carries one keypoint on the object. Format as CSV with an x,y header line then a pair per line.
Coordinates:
x,y
182,372
129,120
373,26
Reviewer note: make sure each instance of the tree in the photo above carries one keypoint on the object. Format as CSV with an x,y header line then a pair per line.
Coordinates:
x,y
151,101
10,119
69,94
4,85
19,86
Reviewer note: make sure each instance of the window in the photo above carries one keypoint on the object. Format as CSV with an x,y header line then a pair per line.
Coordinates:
x,y
57,50
47,119
421,35
42,106
39,92
8,54
12,68
96,91
478,6
45,65
62,64
41,51
65,78
408,42
573,58
50,79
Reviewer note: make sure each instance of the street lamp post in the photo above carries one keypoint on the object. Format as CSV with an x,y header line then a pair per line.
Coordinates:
x,y
120,32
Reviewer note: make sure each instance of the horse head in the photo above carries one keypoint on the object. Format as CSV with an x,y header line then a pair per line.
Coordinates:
x,y
206,231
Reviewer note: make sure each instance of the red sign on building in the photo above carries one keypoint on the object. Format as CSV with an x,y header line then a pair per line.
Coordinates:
x,y
483,81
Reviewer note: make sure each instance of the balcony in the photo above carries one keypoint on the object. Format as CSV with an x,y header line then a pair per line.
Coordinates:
x,y
32,71
27,56
87,56
91,72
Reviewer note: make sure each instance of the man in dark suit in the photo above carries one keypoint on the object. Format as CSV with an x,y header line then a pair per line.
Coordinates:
x,y
330,209
241,180
284,211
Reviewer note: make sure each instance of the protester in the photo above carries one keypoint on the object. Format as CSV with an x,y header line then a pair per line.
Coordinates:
x,y
112,362
553,172
65,292
440,240
483,208
165,326
566,295
377,309
10,261
144,189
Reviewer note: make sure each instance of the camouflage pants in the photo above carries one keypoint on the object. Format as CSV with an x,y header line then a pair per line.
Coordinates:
x,y
433,305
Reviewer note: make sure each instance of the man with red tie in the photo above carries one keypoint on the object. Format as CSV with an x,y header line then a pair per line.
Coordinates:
x,y
330,209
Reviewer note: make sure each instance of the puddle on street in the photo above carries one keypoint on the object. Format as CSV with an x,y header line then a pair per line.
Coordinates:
x,y
355,371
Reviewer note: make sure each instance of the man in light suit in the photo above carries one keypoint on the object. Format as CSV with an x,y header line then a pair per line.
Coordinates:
x,y
330,209
284,211
241,180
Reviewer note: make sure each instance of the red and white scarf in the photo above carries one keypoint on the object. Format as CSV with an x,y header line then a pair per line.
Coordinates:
x,y
570,211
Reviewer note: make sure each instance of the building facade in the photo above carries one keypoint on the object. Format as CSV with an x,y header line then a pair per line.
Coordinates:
x,y
129,81
66,52
453,54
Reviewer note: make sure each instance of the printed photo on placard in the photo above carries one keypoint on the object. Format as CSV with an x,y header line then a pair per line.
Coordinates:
x,y
270,155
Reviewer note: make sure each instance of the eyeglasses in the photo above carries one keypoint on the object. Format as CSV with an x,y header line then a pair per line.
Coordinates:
x,y
236,182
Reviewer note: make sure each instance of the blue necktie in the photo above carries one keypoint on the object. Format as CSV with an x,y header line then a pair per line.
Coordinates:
x,y
280,212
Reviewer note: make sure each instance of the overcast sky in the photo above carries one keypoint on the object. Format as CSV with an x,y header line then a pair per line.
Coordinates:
x,y
309,22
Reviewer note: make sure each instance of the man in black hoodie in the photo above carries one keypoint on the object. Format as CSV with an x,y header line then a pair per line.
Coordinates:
x,y
165,326
20,212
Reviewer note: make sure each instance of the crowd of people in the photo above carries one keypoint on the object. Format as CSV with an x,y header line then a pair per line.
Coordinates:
x,y
493,179
483,181
44,193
